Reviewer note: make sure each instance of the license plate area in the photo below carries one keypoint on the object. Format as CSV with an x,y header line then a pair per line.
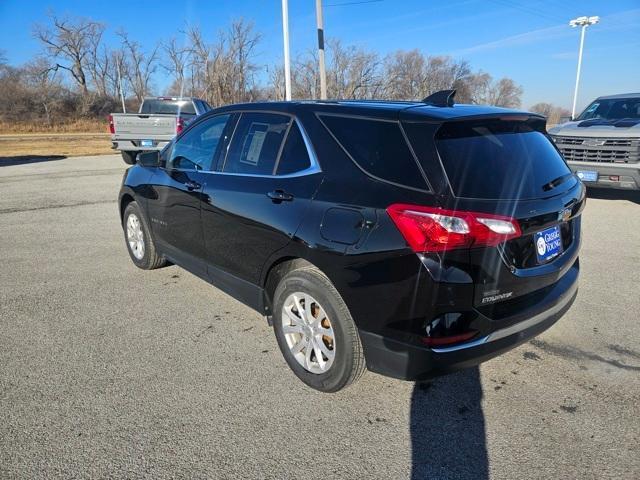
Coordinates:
x,y
548,244
146,143
587,175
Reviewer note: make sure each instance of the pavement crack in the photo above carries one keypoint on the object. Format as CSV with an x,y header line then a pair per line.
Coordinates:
x,y
53,207
578,354
620,350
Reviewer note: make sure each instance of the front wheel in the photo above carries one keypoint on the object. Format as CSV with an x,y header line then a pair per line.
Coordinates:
x,y
315,331
140,244
129,157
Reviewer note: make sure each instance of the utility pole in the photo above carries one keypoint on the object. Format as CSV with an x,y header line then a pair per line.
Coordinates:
x,y
119,63
285,35
583,22
323,72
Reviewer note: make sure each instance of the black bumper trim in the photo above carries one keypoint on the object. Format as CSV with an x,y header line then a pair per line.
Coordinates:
x,y
409,361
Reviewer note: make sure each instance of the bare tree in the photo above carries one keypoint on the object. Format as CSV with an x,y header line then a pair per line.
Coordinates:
x,y
177,61
276,82
68,44
44,85
140,66
223,71
242,41
552,112
351,73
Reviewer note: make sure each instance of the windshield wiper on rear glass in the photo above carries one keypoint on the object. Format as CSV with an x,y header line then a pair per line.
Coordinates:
x,y
554,183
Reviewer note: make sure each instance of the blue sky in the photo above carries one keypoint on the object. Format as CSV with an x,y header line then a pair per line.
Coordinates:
x,y
527,41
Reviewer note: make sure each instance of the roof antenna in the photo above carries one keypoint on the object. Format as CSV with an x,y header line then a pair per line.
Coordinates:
x,y
443,98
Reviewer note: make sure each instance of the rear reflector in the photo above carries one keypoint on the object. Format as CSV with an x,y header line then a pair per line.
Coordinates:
x,y
112,128
448,340
430,229
614,178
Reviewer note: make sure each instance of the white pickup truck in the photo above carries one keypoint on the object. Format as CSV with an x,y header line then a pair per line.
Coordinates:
x,y
158,121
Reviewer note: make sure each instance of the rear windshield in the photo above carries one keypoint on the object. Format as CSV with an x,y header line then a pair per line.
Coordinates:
x,y
172,107
500,160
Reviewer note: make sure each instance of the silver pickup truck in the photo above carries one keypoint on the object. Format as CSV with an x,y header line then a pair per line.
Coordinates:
x,y
158,121
602,145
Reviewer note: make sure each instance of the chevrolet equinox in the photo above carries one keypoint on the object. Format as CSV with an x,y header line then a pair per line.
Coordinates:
x,y
411,239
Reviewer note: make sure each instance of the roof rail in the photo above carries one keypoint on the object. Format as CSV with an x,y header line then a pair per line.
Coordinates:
x,y
443,98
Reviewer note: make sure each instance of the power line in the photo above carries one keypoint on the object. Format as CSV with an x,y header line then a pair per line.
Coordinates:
x,y
528,9
352,3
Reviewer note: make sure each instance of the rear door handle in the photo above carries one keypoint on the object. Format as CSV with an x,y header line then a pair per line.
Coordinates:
x,y
280,196
191,185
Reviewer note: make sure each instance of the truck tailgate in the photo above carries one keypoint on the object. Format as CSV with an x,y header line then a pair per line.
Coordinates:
x,y
140,126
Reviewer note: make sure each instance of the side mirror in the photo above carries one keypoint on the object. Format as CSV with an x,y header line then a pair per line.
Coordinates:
x,y
149,159
565,119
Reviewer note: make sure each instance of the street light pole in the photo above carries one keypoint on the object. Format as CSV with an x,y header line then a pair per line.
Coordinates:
x,y
323,72
582,22
285,35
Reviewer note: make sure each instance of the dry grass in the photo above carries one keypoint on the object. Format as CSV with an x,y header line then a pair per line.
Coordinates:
x,y
56,144
83,125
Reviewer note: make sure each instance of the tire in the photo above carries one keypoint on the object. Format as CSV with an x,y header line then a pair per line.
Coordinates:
x,y
129,157
136,234
310,285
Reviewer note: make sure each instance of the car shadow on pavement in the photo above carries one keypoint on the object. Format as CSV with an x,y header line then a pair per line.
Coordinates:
x,y
613,194
26,159
448,437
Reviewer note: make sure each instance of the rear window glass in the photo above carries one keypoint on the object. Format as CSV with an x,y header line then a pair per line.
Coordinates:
x,y
378,147
294,157
256,143
172,107
499,160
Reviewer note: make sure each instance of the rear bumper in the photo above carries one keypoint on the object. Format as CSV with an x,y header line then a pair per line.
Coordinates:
x,y
409,361
628,173
134,145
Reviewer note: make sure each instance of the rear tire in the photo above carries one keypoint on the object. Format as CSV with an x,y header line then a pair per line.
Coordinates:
x,y
129,157
139,241
341,357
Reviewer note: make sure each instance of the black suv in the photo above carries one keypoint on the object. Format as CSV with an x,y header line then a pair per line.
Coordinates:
x,y
407,238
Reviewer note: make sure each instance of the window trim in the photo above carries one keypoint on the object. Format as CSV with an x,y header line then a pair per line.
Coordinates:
x,y
428,188
313,168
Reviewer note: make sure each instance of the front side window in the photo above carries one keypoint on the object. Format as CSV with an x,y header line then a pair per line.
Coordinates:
x,y
256,143
195,150
378,147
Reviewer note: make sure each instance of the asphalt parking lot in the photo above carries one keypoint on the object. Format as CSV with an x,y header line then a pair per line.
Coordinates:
x,y
109,371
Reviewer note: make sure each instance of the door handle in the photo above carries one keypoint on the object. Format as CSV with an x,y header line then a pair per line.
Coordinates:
x,y
280,196
191,185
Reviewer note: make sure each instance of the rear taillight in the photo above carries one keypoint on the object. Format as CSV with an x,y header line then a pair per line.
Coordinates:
x,y
112,128
179,125
429,229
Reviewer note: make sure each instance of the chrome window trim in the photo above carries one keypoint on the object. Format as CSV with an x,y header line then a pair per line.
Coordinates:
x,y
313,159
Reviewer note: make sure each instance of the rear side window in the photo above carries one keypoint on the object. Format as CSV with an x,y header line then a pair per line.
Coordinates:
x,y
294,157
378,147
172,107
256,143
499,160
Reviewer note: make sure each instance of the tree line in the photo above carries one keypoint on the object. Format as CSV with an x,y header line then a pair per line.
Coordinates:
x,y
77,74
